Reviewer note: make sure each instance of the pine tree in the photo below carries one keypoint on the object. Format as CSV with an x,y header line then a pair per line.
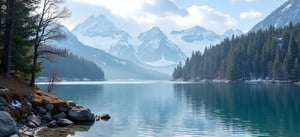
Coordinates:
x,y
277,66
290,56
295,75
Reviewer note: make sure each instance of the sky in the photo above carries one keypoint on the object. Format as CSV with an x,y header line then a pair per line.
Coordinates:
x,y
136,16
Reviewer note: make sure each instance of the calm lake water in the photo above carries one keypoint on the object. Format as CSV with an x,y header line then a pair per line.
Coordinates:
x,y
166,109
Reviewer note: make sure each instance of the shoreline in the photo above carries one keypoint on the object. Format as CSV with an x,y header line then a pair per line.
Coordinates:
x,y
252,81
25,111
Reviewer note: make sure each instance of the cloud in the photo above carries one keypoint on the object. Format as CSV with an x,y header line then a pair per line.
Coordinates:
x,y
233,1
250,0
166,13
125,8
252,14
206,17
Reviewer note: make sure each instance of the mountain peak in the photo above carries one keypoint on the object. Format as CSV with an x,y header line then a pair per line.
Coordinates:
x,y
233,32
196,33
156,47
282,16
154,32
99,25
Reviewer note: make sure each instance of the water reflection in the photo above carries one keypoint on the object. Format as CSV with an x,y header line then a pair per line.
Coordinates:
x,y
63,131
271,110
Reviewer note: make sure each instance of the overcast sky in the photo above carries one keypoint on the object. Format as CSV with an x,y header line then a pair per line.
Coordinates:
x,y
135,16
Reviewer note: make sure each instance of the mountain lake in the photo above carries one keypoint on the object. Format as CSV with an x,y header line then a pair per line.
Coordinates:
x,y
177,109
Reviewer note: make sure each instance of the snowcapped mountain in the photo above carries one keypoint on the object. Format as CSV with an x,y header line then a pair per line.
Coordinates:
x,y
198,38
197,33
282,16
157,49
99,32
124,50
113,67
99,26
232,32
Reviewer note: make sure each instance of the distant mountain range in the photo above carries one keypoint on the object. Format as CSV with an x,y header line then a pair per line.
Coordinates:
x,y
287,13
152,48
114,68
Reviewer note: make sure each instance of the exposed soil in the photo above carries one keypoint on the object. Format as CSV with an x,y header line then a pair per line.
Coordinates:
x,y
19,89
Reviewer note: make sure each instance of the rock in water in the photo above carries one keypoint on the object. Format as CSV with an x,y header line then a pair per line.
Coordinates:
x,y
81,115
64,122
7,125
105,117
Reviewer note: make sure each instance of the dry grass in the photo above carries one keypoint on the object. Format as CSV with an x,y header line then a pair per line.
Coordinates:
x,y
19,88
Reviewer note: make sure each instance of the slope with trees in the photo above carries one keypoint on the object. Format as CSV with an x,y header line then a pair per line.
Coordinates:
x,y
26,27
73,67
270,54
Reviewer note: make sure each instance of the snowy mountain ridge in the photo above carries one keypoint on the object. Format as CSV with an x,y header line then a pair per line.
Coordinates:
x,y
157,47
282,16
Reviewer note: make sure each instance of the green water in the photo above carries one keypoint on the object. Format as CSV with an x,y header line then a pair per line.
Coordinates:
x,y
166,109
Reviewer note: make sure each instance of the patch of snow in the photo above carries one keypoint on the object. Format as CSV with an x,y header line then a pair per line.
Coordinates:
x,y
286,8
99,42
4,89
15,104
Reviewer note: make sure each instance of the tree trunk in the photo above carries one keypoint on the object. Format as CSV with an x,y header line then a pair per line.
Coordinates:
x,y
33,73
8,38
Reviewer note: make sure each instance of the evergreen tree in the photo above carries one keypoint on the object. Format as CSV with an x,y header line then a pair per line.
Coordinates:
x,y
295,75
290,56
271,53
277,66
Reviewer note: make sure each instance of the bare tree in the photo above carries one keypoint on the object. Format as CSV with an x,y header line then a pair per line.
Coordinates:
x,y
47,29
52,80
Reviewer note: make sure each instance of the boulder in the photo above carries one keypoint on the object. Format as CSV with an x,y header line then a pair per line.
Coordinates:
x,y
40,109
15,135
52,124
60,115
62,109
3,102
3,108
45,101
105,117
28,105
33,121
47,116
49,106
29,97
81,115
8,125
64,122
71,103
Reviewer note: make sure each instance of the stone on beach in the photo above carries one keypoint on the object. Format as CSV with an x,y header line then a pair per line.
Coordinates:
x,y
8,125
81,114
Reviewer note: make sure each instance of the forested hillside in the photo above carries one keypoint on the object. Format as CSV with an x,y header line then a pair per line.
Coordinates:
x,y
73,67
270,54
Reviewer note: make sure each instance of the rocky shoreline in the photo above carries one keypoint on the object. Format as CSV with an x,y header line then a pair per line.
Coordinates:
x,y
23,116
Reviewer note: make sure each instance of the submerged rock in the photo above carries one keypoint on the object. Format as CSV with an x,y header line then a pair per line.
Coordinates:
x,y
8,125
